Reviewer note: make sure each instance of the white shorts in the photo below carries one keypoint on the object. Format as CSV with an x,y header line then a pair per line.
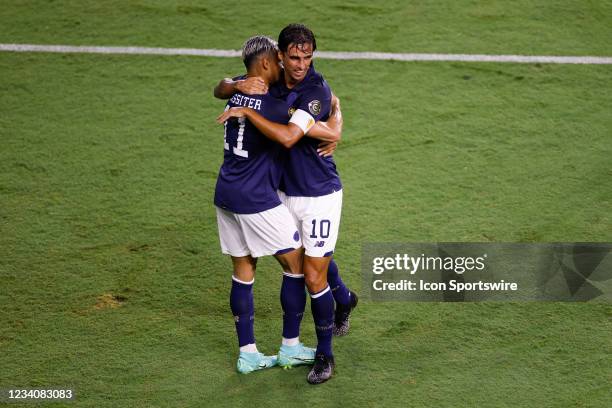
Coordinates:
x,y
266,233
318,220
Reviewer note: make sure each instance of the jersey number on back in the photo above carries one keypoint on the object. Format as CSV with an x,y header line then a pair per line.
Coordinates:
x,y
238,149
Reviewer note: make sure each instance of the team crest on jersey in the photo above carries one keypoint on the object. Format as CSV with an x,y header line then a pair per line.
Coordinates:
x,y
314,107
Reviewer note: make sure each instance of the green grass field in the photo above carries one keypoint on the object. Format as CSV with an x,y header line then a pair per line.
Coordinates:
x,y
111,276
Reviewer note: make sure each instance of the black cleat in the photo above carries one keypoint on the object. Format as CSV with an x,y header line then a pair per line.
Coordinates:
x,y
343,313
322,370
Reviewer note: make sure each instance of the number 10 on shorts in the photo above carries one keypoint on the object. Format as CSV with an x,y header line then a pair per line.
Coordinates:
x,y
323,229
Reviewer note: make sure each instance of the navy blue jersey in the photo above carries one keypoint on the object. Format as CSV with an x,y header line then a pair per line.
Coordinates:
x,y
306,174
252,164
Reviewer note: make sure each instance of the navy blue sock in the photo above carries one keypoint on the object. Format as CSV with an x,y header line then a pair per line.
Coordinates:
x,y
243,309
339,289
322,305
293,302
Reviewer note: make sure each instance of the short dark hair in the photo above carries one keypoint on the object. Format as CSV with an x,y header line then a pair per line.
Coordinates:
x,y
297,34
256,46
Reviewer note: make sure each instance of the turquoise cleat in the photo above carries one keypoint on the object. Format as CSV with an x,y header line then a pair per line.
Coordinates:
x,y
291,356
249,362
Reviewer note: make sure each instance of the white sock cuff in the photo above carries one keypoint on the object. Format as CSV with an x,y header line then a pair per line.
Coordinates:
x,y
291,342
293,275
235,279
319,294
249,348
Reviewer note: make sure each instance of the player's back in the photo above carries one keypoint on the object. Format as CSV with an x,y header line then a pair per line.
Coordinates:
x,y
252,164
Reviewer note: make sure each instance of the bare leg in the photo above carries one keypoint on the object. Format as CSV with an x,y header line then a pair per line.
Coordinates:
x,y
244,267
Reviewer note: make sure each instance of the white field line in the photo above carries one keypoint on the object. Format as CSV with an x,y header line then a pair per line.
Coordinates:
x,y
528,59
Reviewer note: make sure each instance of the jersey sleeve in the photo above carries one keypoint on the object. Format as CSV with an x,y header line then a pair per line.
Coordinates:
x,y
313,105
316,101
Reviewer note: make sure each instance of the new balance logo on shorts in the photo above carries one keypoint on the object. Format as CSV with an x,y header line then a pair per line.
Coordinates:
x,y
319,244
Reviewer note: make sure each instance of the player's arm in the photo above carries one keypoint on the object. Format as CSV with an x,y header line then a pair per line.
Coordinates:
x,y
250,86
301,123
326,149
287,135
311,109
315,104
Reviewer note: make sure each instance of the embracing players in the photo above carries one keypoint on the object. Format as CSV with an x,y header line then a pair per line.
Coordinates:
x,y
310,184
253,222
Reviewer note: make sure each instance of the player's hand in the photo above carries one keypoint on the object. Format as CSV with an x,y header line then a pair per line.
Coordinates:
x,y
326,149
252,86
231,113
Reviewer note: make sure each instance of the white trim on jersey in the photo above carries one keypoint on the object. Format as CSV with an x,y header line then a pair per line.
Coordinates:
x,y
303,120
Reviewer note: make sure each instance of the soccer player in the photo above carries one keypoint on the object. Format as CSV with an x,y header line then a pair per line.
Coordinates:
x,y
310,186
251,219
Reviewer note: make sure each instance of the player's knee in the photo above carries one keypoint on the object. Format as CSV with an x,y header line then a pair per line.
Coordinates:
x,y
244,268
315,281
291,262
315,273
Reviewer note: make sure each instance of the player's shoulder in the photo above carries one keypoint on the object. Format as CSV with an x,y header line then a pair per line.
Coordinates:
x,y
316,80
316,84
239,77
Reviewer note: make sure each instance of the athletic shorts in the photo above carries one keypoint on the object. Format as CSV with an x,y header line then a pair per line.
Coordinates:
x,y
318,220
269,232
